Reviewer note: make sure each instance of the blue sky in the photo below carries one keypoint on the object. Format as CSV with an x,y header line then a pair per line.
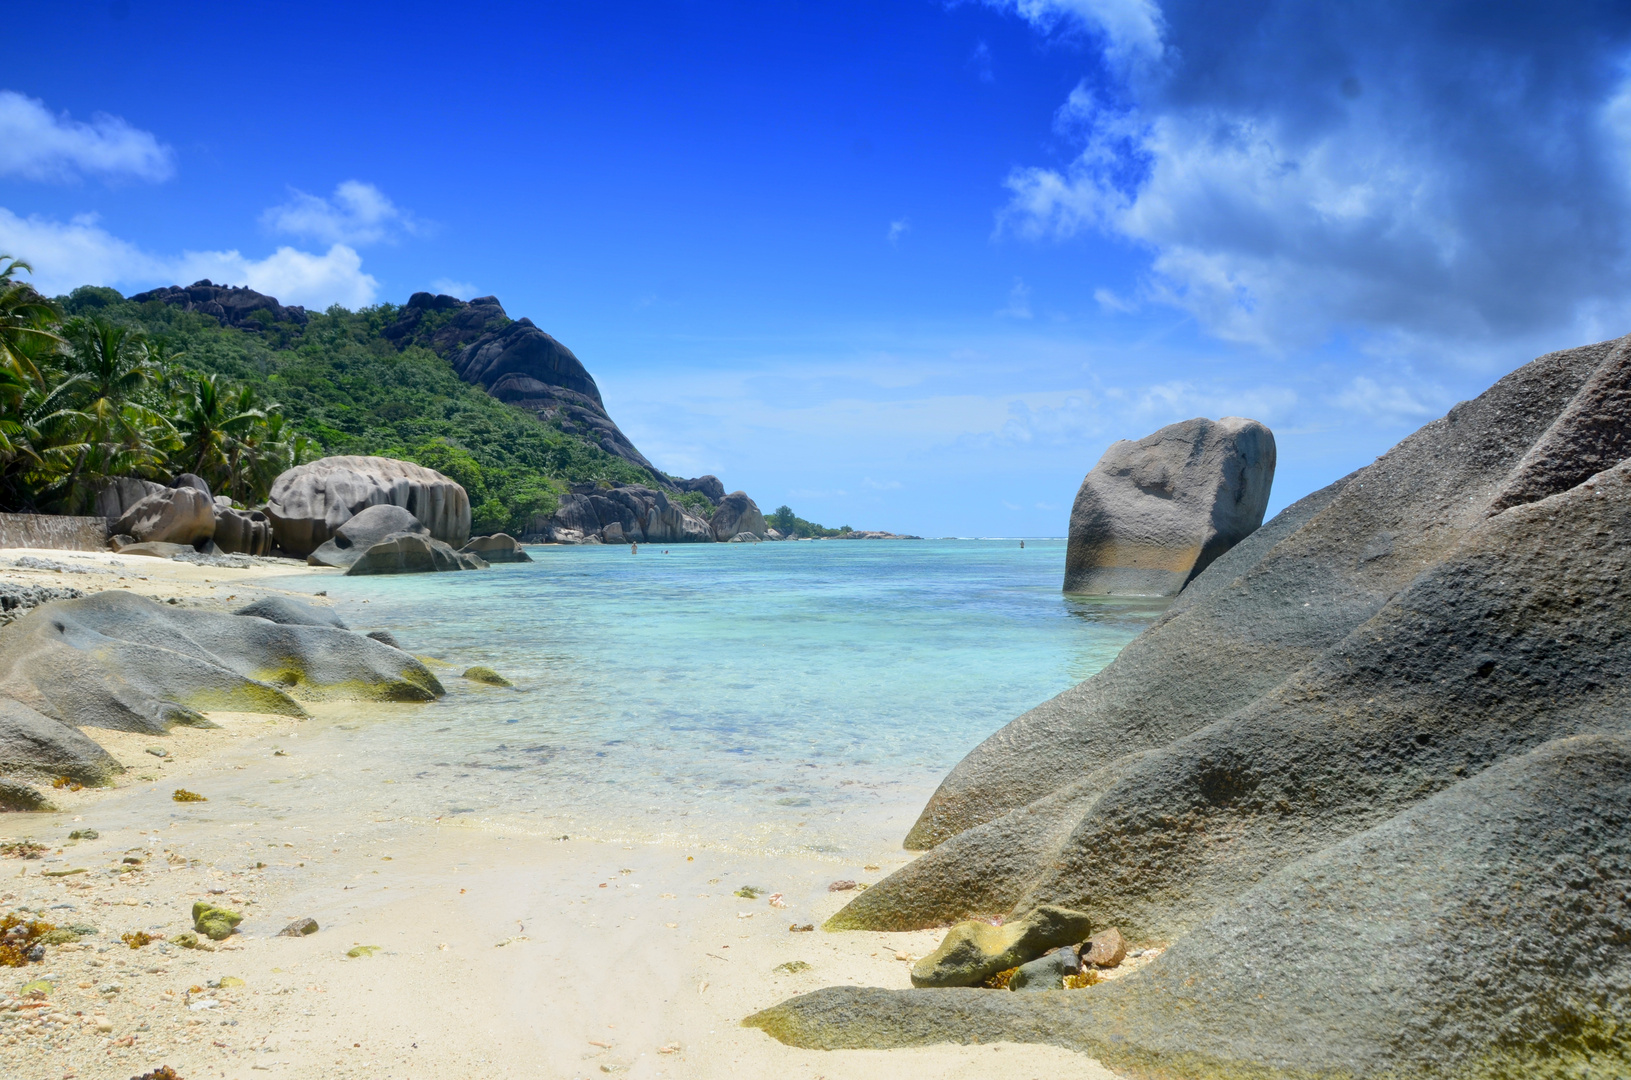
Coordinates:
x,y
904,265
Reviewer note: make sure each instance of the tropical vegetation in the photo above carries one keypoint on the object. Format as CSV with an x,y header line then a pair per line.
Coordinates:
x,y
784,521
94,385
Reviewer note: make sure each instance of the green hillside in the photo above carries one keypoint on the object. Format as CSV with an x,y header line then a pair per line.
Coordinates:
x,y
351,391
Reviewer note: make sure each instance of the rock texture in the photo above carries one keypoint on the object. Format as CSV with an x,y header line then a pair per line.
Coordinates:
x,y
444,324
288,612
1155,513
524,366
500,547
622,514
370,526
309,502
181,515
118,661
974,951
736,513
241,532
412,553
117,494
1368,774
233,306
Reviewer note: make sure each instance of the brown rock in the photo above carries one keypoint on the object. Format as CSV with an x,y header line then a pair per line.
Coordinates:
x,y
182,515
299,928
1104,949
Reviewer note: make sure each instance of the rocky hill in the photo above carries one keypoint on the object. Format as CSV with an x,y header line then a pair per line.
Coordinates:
x,y
1368,779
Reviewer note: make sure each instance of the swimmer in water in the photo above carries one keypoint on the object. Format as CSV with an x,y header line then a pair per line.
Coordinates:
x,y
634,549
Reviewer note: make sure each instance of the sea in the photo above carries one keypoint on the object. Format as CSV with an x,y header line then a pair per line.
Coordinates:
x,y
795,697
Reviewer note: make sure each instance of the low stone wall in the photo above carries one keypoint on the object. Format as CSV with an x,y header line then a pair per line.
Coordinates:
x,y
53,531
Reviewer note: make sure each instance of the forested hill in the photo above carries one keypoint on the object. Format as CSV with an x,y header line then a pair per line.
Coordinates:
x,y
523,423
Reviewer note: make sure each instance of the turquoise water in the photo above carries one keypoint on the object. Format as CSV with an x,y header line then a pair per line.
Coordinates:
x,y
738,694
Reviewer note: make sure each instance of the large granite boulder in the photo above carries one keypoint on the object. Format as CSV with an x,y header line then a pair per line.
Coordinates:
x,y
500,547
309,502
232,305
706,485
118,661
1356,774
34,745
623,514
241,532
370,526
444,323
412,553
287,611
736,513
115,495
180,515
1154,513
520,364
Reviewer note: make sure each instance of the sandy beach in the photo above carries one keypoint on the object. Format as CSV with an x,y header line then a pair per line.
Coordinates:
x,y
481,948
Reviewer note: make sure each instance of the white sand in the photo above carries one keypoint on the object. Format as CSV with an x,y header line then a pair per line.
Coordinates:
x,y
501,954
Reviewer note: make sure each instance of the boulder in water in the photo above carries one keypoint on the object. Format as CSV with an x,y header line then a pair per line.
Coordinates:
x,y
500,547
310,502
412,553
1154,513
736,513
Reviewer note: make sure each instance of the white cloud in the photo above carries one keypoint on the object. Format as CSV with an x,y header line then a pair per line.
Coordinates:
x,y
464,290
1109,301
37,145
356,214
870,484
897,229
1395,404
81,252
1132,29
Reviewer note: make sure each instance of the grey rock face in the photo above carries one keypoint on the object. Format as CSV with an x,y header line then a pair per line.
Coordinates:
x,y
1385,733
118,661
289,612
18,796
181,515
736,513
117,494
16,600
520,364
1155,513
624,514
310,502
242,532
707,485
412,553
233,306
369,527
1492,911
500,547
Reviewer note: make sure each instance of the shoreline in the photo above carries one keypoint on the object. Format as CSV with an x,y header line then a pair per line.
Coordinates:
x,y
503,951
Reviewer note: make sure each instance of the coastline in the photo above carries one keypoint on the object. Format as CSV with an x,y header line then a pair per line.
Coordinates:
x,y
503,951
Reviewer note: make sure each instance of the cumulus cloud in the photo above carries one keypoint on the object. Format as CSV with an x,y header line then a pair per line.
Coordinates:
x,y
464,290
37,144
897,229
356,214
80,252
1450,177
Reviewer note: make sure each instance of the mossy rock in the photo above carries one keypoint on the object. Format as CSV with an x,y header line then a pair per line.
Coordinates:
x,y
973,951
215,923
486,675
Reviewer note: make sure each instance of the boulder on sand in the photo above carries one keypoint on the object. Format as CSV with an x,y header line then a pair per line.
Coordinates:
x,y
621,514
310,502
241,532
181,515
500,547
117,494
1154,513
736,513
1367,776
119,661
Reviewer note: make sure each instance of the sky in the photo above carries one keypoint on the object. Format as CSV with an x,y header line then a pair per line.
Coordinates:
x,y
900,264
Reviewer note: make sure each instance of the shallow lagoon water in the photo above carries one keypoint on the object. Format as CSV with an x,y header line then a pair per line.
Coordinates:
x,y
793,696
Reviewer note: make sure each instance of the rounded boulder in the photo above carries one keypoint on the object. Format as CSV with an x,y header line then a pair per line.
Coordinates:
x,y
310,502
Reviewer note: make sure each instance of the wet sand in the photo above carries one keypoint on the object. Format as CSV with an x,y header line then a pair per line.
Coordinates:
x,y
496,951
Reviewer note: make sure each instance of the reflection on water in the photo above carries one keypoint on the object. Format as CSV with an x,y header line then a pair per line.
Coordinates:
x,y
770,694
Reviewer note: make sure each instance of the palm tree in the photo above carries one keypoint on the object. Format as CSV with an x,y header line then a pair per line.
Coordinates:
x,y
213,423
110,379
24,314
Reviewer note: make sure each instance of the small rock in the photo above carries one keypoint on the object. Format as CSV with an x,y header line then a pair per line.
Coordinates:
x,y
299,928
215,923
801,928
486,675
385,637
973,951
792,967
1048,972
1104,949
750,892
841,886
